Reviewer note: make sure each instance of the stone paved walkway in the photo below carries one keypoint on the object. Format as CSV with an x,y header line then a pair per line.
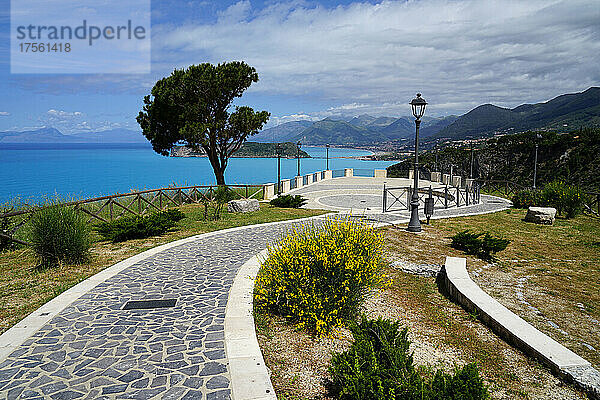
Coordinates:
x,y
363,196
93,349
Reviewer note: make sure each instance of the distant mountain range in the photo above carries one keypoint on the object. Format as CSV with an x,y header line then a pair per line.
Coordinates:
x,y
563,113
566,112
362,130
52,135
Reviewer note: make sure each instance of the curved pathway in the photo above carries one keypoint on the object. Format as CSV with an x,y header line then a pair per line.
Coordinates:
x,y
93,348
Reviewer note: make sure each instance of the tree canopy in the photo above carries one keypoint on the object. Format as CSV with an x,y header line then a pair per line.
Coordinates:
x,y
193,107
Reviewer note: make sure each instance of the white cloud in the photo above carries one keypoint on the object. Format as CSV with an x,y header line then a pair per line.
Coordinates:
x,y
275,120
75,121
458,53
4,113
373,58
63,114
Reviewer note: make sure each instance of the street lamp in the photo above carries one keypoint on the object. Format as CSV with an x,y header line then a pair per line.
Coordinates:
x,y
437,149
299,145
278,152
537,139
327,147
418,105
471,170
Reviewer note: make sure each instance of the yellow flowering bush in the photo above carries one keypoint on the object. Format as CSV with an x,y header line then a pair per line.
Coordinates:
x,y
567,199
317,276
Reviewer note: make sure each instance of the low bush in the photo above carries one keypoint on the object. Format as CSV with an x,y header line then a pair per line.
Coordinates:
x,y
317,277
59,234
216,202
139,227
288,201
482,245
527,198
567,199
378,365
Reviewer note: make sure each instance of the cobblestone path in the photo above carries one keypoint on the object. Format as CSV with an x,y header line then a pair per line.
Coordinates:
x,y
93,349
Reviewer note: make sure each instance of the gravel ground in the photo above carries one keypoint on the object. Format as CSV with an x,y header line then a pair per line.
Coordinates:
x,y
299,362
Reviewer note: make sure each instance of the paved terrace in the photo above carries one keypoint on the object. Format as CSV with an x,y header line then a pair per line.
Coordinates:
x,y
84,345
364,196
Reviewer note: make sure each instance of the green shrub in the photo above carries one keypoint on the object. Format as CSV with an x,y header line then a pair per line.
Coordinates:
x,y
465,384
217,201
288,201
527,198
482,245
139,227
59,234
378,365
567,199
317,276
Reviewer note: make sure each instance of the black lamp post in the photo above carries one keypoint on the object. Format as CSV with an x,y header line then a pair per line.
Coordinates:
x,y
299,145
537,139
278,152
327,147
418,105
437,149
471,170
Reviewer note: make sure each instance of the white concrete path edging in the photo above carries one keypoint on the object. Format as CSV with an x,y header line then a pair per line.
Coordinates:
x,y
516,331
250,379
20,332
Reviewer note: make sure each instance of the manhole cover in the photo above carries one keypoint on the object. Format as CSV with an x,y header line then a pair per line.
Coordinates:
x,y
148,304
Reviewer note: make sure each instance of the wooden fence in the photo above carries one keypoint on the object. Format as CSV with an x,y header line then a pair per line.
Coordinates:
x,y
503,188
110,208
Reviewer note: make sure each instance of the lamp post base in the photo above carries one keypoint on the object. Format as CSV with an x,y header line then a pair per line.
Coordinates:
x,y
414,225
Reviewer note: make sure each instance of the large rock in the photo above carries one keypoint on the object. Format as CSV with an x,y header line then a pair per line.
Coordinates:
x,y
541,215
244,205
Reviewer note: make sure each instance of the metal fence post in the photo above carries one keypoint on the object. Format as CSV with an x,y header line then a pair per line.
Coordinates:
x,y
446,196
457,197
384,197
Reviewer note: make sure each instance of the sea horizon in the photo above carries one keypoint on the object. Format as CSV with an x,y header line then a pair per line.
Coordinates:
x,y
33,172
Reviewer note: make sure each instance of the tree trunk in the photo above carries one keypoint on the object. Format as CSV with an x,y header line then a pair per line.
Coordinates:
x,y
220,175
216,165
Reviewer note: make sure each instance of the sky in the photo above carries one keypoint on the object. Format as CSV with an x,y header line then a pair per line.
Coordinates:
x,y
318,59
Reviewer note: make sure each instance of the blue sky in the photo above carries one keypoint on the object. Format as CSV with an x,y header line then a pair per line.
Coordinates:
x,y
331,58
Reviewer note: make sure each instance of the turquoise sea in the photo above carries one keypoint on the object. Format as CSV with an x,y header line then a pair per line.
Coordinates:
x,y
31,172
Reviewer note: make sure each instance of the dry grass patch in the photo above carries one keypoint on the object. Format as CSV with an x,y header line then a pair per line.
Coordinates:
x,y
442,335
548,275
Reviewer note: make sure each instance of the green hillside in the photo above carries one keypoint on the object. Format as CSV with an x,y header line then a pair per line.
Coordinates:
x,y
572,157
565,112
253,149
339,132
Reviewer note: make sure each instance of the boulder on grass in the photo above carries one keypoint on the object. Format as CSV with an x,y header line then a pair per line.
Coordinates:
x,y
243,206
541,215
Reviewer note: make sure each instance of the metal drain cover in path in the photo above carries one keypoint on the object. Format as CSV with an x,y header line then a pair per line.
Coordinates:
x,y
149,304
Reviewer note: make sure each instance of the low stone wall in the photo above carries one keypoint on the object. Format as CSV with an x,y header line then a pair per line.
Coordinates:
x,y
380,173
455,280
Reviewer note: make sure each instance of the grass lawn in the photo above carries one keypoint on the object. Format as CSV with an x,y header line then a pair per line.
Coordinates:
x,y
560,264
548,275
24,287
